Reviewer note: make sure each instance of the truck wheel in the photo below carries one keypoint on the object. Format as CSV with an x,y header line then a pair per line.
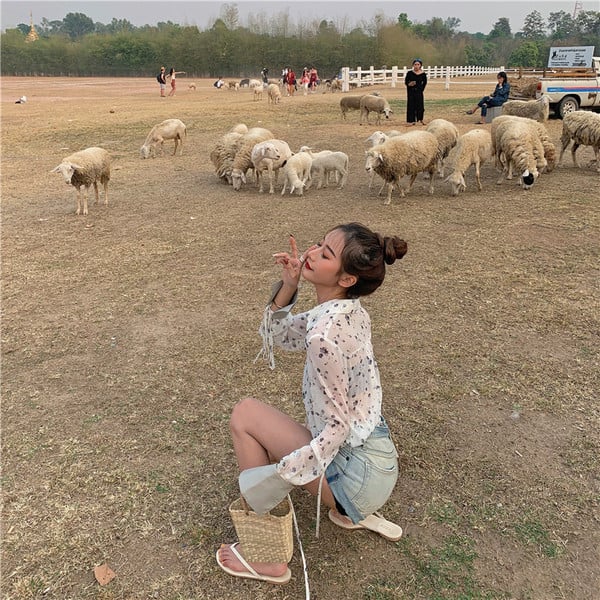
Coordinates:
x,y
567,105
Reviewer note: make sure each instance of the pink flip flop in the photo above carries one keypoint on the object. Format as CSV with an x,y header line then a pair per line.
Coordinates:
x,y
375,522
250,573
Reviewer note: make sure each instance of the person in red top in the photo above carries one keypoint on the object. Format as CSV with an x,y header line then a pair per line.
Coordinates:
x,y
314,78
291,81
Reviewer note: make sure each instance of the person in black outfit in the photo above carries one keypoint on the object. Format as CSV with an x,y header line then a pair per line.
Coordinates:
x,y
415,82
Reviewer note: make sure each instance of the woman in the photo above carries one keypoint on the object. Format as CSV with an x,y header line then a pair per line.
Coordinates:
x,y
344,453
497,98
173,74
415,82
291,81
305,80
162,81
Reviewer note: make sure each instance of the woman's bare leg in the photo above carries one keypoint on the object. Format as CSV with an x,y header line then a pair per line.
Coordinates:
x,y
262,434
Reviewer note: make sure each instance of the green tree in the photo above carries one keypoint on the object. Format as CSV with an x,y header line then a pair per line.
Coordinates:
x,y
525,55
501,29
561,25
76,25
404,21
533,26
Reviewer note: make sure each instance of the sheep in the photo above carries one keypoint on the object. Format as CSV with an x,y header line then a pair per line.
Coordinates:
x,y
233,85
240,128
242,160
273,93
192,87
446,134
223,154
349,103
583,128
296,172
407,154
324,164
258,91
378,137
545,163
334,85
472,148
538,110
170,129
270,156
244,82
376,104
85,168
518,145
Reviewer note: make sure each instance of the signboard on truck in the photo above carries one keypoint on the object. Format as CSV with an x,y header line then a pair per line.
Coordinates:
x,y
570,57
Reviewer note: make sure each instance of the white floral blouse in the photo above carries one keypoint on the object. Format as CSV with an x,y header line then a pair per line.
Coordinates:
x,y
341,387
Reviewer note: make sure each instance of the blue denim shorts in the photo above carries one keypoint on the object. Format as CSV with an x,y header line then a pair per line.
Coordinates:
x,y
363,478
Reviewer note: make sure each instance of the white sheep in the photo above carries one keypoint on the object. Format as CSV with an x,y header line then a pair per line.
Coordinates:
x,y
257,89
376,104
224,152
296,172
378,137
583,128
518,146
325,164
242,160
269,156
83,169
446,134
408,154
239,128
472,148
349,103
273,93
170,129
545,163
538,110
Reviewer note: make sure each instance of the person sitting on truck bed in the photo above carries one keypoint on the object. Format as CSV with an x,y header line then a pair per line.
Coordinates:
x,y
497,98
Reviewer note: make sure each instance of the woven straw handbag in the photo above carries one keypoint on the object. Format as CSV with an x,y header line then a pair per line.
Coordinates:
x,y
264,538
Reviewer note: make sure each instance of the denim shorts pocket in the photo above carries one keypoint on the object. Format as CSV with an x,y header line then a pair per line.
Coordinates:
x,y
377,481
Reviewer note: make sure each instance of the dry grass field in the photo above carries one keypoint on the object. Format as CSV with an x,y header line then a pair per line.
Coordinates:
x,y
129,334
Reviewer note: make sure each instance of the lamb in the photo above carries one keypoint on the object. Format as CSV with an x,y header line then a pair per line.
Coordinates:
x,y
407,154
583,128
518,145
270,156
170,129
446,134
242,160
546,162
296,172
85,168
472,148
538,110
274,93
376,104
325,163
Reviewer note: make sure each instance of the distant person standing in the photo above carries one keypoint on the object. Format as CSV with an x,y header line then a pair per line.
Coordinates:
x,y
291,81
415,82
173,74
162,81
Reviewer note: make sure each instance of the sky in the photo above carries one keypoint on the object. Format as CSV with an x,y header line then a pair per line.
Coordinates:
x,y
475,15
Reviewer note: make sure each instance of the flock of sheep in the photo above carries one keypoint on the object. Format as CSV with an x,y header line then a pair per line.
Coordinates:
x,y
518,141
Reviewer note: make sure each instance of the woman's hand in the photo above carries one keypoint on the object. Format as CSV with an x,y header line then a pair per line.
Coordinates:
x,y
291,263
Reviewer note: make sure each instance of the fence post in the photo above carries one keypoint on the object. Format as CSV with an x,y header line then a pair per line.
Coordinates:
x,y
345,79
359,76
447,84
394,76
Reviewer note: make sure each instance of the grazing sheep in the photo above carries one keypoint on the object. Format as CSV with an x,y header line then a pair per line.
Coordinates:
x,y
349,103
242,160
446,134
408,154
518,145
326,163
233,85
170,129
296,172
192,86
538,110
583,128
269,156
257,92
378,137
244,82
375,104
274,93
85,168
333,85
472,148
223,154
546,162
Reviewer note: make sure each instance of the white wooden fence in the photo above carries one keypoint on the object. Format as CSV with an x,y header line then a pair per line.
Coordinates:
x,y
359,76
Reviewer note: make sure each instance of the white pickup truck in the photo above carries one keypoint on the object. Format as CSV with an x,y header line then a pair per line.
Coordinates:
x,y
571,90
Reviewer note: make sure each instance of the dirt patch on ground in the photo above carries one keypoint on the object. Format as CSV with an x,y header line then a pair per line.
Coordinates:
x,y
128,335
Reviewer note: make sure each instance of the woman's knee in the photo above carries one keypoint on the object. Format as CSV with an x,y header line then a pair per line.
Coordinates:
x,y
242,411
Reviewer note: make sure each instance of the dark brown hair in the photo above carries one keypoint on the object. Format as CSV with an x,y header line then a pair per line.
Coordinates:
x,y
365,255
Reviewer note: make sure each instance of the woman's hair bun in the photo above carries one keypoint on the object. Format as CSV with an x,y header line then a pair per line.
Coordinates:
x,y
394,248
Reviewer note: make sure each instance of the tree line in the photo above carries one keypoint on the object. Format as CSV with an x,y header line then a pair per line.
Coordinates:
x,y
78,46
